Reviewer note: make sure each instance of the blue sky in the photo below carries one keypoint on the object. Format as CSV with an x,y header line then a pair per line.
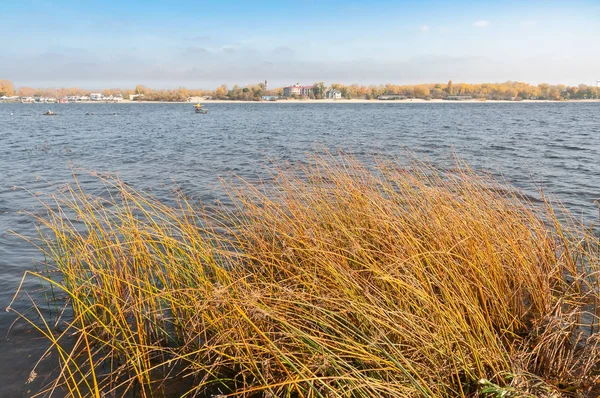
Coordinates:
x,y
115,43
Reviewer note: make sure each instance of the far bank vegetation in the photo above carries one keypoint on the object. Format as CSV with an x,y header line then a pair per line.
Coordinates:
x,y
510,90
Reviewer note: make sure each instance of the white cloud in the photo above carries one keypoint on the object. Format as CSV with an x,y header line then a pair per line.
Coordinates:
x,y
424,28
482,23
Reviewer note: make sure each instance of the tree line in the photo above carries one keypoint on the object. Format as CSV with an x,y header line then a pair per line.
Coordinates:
x,y
491,91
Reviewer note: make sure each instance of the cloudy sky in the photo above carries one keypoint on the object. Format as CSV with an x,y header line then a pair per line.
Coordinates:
x,y
203,43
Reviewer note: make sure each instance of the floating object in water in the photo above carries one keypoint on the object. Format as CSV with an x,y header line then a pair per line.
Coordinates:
x,y
49,113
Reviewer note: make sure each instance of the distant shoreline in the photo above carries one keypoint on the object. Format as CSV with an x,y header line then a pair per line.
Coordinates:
x,y
319,101
375,101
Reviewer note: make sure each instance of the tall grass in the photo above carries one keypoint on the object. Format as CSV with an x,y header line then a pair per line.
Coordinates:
x,y
333,280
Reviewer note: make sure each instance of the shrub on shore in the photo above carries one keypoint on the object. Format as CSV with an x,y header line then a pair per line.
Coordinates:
x,y
335,279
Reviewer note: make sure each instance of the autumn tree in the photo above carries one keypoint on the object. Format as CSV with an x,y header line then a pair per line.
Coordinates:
x,y
450,88
50,93
544,90
554,93
319,90
26,92
437,93
126,94
421,91
6,88
140,89
221,92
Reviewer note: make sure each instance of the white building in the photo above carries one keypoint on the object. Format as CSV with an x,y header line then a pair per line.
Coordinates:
x,y
96,97
333,94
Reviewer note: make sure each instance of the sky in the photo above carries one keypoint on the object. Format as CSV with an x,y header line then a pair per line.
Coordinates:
x,y
205,43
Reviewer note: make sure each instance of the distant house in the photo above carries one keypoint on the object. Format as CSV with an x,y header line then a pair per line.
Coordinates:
x,y
458,97
333,94
300,91
96,97
389,97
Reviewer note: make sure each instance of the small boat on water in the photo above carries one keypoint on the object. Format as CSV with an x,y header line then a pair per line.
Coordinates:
x,y
49,113
199,109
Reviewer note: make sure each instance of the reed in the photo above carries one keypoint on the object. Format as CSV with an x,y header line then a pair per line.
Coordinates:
x,y
334,279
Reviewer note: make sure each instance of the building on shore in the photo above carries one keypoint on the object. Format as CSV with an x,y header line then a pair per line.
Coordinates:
x,y
298,90
13,98
96,97
333,94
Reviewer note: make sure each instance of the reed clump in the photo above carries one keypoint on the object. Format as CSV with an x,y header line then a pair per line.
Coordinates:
x,y
334,279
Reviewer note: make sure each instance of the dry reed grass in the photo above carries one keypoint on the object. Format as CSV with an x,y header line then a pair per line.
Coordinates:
x,y
336,280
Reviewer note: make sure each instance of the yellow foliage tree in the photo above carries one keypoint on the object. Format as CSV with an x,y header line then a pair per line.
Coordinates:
x,y
7,88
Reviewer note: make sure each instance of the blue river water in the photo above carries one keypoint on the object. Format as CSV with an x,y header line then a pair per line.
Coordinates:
x,y
555,146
